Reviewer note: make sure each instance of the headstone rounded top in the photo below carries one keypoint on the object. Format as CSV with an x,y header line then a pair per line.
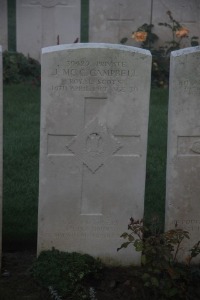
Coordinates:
x,y
97,46
185,51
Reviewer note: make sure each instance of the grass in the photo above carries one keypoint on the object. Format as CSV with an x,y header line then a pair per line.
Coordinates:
x,y
21,155
21,152
156,156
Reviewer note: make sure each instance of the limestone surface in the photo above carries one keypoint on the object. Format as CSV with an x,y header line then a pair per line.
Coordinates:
x,y
94,122
42,23
183,154
3,24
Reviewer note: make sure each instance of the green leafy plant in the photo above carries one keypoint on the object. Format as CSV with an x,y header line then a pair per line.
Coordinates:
x,y
160,54
144,35
178,31
66,272
194,41
18,68
164,277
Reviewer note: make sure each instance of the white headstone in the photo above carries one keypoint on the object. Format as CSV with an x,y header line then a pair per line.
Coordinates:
x,y
183,161
110,21
1,148
3,24
94,118
42,23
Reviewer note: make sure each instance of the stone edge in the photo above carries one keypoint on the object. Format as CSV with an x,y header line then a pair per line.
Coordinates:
x,y
185,51
1,152
95,46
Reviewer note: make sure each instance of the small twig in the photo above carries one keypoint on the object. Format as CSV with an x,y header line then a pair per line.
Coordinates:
x,y
177,250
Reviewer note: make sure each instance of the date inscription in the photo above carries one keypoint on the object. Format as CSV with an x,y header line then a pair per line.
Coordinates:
x,y
97,229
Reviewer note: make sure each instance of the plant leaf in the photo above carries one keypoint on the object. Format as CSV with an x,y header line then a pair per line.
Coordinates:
x,y
123,40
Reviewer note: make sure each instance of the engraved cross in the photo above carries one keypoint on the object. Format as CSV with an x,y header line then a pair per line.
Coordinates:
x,y
92,147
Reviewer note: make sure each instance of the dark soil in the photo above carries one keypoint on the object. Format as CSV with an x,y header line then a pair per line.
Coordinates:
x,y
16,282
117,283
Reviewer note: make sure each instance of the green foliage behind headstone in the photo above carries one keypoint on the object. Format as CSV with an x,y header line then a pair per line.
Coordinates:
x,y
19,68
66,272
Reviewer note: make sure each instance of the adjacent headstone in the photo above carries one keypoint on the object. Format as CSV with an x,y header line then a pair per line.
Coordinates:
x,y
185,12
1,148
183,161
3,24
110,21
42,23
94,118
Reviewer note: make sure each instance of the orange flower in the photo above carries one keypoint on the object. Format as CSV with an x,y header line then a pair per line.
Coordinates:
x,y
139,36
182,32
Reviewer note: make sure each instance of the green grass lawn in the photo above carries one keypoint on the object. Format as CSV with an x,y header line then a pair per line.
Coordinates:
x,y
21,162
21,155
156,156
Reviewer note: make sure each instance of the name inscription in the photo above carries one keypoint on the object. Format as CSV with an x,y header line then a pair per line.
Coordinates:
x,y
101,76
